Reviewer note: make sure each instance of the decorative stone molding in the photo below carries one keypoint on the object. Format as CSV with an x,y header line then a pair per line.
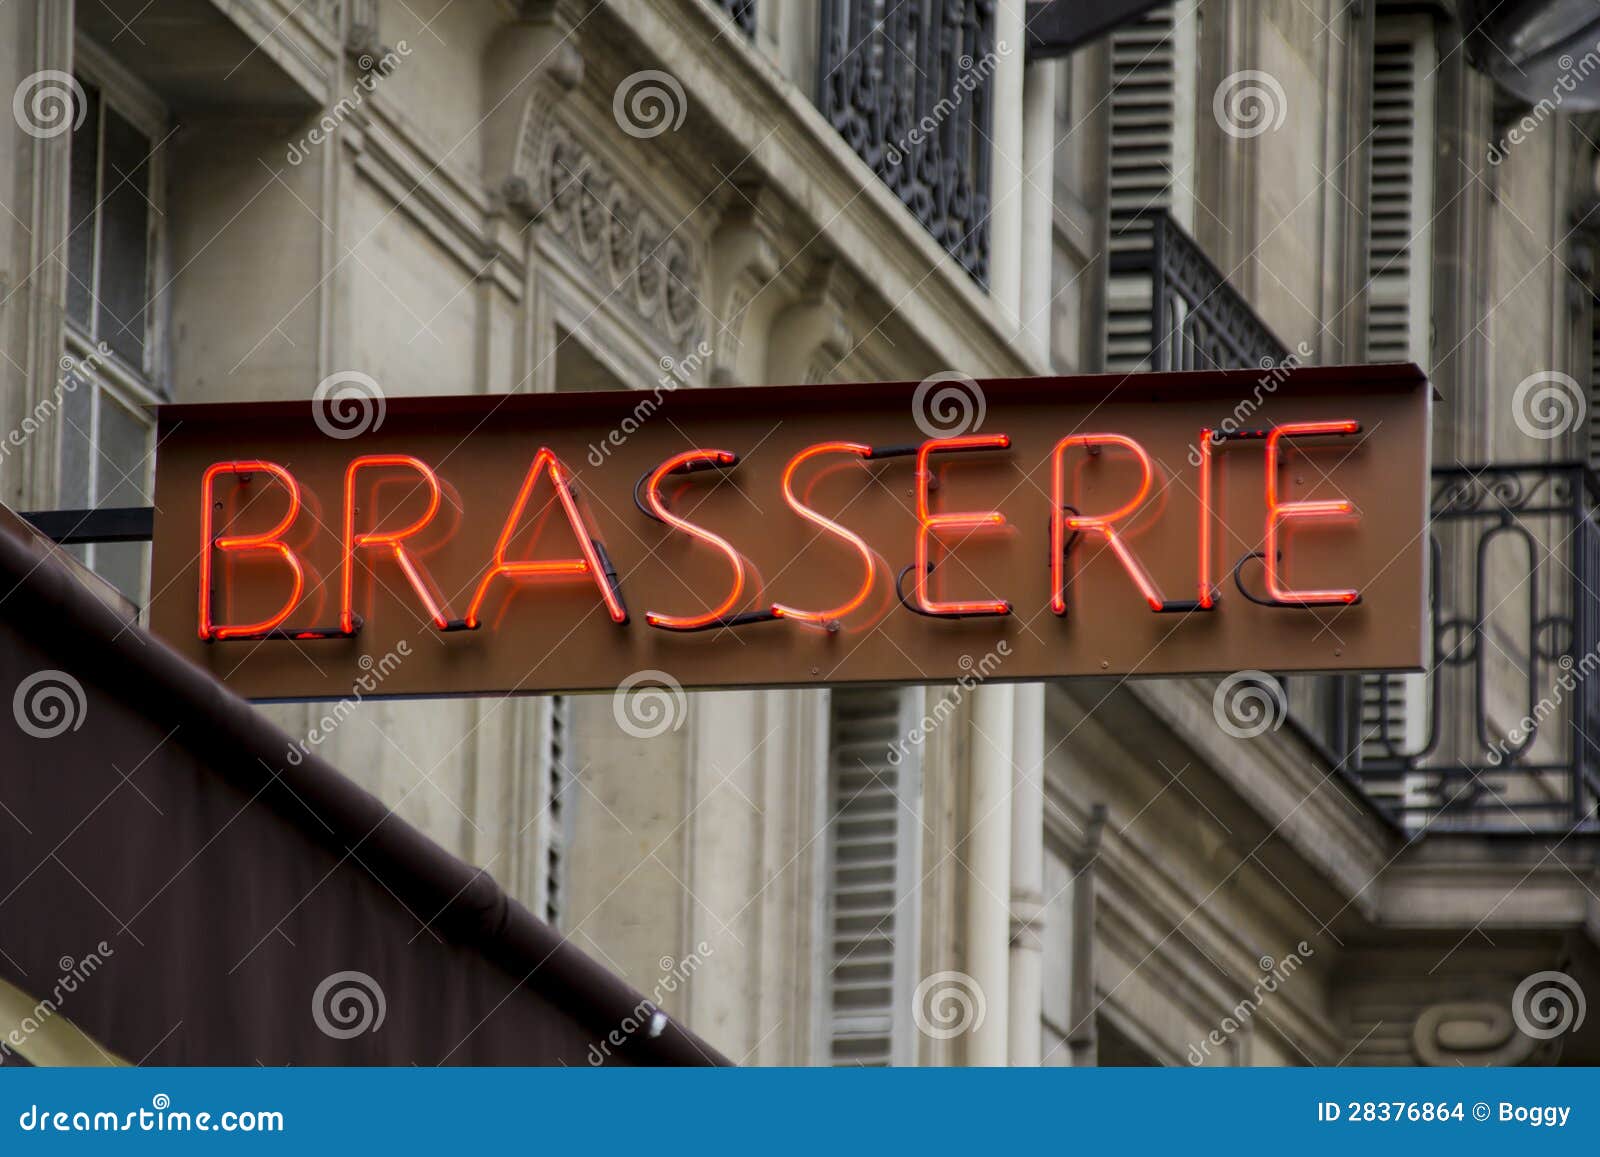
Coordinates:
x,y
630,251
810,337
1027,920
362,40
527,187
529,68
1474,1032
744,260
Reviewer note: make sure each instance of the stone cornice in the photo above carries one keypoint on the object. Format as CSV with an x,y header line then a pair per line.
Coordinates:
x,y
1184,939
1309,809
1494,882
739,99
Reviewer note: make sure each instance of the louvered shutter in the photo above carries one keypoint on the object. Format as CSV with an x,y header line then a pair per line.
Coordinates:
x,y
1399,255
1399,311
1152,133
1594,384
1384,717
875,821
555,772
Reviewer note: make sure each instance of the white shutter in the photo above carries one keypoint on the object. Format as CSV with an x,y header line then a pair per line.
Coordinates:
x,y
1594,384
1399,309
874,824
1399,238
1153,73
556,771
1392,712
1394,715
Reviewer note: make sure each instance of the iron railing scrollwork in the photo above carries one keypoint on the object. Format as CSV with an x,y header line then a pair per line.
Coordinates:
x,y
1503,735
909,86
1503,731
1198,320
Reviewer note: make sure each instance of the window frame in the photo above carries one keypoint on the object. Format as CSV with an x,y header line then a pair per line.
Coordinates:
x,y
901,1033
110,378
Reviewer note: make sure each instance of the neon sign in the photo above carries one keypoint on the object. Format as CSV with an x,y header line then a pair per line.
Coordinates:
x,y
1065,528
786,554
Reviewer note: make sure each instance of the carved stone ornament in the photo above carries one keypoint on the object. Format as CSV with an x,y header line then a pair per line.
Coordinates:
x,y
631,252
1476,1032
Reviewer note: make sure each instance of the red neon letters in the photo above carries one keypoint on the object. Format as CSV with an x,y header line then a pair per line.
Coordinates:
x,y
1279,513
930,524
393,539
833,613
269,540
691,460
1101,524
947,529
591,564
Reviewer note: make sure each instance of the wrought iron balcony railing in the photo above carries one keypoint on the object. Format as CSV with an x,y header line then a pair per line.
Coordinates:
x,y
909,84
1197,320
1503,733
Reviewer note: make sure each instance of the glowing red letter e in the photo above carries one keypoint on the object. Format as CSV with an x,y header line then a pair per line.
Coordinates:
x,y
1281,512
929,523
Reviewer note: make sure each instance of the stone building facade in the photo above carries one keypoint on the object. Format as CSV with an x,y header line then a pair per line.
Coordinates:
x,y
210,201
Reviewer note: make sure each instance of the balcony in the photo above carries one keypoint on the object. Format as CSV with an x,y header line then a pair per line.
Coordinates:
x,y
1196,320
1500,735
909,86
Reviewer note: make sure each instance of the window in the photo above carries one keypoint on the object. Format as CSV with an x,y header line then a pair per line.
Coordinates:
x,y
874,809
1151,163
556,775
909,85
1399,304
110,333
1399,246
1594,380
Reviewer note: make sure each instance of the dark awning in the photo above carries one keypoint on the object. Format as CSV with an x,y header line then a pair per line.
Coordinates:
x,y
1060,27
158,815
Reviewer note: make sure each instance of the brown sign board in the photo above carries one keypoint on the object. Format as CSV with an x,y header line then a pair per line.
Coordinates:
x,y
546,542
